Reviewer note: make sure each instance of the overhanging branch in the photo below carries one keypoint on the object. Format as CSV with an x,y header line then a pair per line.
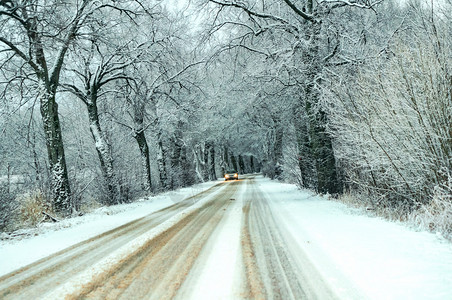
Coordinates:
x,y
299,12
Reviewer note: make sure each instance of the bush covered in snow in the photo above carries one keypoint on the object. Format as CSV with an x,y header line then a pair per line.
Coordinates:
x,y
31,206
391,125
437,215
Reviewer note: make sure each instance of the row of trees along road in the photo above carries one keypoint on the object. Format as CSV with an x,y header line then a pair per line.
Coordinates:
x,y
140,97
302,41
350,95
122,97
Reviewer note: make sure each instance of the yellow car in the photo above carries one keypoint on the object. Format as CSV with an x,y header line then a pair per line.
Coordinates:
x,y
231,175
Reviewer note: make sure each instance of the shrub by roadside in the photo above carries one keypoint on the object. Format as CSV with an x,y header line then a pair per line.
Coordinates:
x,y
30,209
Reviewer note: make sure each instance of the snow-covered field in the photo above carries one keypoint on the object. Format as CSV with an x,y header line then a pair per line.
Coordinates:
x,y
359,256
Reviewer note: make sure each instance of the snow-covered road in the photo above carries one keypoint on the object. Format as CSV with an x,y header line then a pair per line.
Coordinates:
x,y
252,238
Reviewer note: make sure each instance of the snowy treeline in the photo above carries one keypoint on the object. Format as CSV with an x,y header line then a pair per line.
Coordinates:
x,y
104,101
392,118
355,98
101,102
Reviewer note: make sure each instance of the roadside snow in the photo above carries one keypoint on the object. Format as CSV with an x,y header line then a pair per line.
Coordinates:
x,y
53,237
380,259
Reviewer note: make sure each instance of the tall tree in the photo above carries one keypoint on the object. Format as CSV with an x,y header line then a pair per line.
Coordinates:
x,y
37,34
96,70
313,47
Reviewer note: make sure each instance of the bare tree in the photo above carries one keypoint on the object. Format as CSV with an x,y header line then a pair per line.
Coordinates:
x,y
391,120
99,67
302,39
37,34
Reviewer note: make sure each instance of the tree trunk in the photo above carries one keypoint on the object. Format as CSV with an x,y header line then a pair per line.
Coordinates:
x,y
103,149
205,162
234,162
321,143
278,148
8,178
140,137
60,188
241,164
226,166
176,163
161,163
187,177
198,163
327,177
305,159
36,165
212,173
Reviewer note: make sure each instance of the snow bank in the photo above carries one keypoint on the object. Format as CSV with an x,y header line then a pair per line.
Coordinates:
x,y
381,259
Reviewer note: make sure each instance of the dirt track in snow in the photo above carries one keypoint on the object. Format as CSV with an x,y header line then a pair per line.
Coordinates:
x,y
270,267
274,268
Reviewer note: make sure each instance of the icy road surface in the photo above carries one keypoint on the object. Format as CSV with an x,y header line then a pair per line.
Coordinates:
x,y
248,239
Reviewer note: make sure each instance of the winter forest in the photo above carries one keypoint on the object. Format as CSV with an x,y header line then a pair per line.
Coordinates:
x,y
103,102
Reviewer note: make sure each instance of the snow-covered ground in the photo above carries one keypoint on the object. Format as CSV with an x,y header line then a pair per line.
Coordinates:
x,y
50,238
363,256
359,256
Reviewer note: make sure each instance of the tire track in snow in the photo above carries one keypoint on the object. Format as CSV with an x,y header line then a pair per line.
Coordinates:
x,y
254,287
217,273
271,269
39,277
158,268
